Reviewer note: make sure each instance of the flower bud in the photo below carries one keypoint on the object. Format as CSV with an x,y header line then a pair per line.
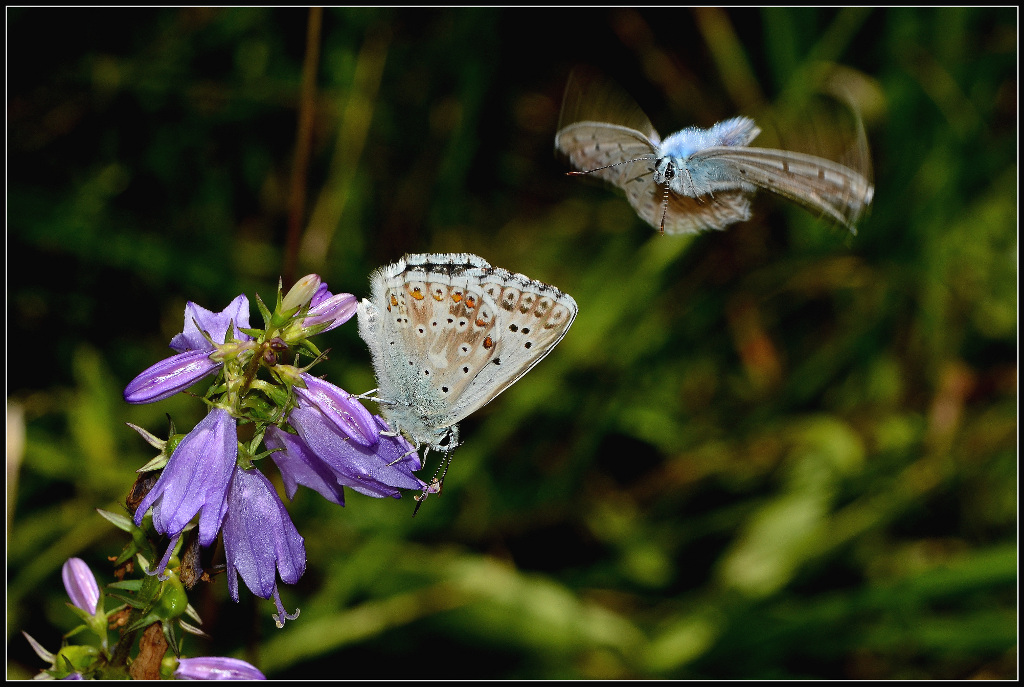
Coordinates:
x,y
169,376
301,293
80,585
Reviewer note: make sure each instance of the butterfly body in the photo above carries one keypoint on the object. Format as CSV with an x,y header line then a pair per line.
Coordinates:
x,y
448,333
697,179
686,173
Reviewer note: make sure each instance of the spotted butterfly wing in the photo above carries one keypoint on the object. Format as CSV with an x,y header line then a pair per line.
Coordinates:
x,y
448,333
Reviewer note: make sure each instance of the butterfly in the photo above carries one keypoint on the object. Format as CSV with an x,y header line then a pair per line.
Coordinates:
x,y
447,333
695,179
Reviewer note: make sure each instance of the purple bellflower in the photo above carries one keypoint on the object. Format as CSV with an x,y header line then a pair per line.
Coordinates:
x,y
323,459
260,540
338,407
193,360
318,434
195,480
216,668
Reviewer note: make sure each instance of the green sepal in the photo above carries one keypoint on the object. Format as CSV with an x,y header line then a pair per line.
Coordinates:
x,y
252,331
128,585
130,550
172,639
119,521
145,621
126,599
310,348
192,629
281,319
264,310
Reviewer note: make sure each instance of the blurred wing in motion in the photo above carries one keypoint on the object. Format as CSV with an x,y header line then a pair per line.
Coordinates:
x,y
823,186
611,152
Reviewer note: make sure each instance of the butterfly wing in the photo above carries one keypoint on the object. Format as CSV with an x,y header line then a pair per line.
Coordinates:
x,y
411,329
684,215
590,97
523,320
601,129
438,331
611,152
821,185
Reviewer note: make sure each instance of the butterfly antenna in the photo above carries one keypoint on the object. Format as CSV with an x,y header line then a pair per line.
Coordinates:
x,y
576,173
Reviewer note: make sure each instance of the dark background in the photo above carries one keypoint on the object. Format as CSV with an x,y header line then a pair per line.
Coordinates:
x,y
777,451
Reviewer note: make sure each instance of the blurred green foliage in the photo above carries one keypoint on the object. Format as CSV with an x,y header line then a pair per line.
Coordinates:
x,y
777,451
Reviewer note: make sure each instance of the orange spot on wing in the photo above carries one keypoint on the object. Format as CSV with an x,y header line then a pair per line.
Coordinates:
x,y
488,342
417,293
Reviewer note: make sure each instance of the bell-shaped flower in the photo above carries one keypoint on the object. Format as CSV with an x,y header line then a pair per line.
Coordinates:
x,y
80,584
198,320
298,465
260,541
195,481
216,668
192,363
339,407
378,470
326,307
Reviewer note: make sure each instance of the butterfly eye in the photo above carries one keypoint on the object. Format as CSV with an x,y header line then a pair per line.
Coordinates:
x,y
670,172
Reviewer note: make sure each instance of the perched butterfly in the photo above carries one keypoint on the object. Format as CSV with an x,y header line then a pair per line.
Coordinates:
x,y
696,178
447,333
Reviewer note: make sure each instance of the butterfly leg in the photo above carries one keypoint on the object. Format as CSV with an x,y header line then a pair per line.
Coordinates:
x,y
369,396
403,457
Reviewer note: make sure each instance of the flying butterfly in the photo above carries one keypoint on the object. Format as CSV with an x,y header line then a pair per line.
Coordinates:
x,y
695,179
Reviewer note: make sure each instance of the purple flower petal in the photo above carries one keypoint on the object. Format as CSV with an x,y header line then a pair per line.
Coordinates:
x,y
216,668
321,295
340,308
80,584
213,323
298,465
169,376
195,480
260,540
340,408
390,462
